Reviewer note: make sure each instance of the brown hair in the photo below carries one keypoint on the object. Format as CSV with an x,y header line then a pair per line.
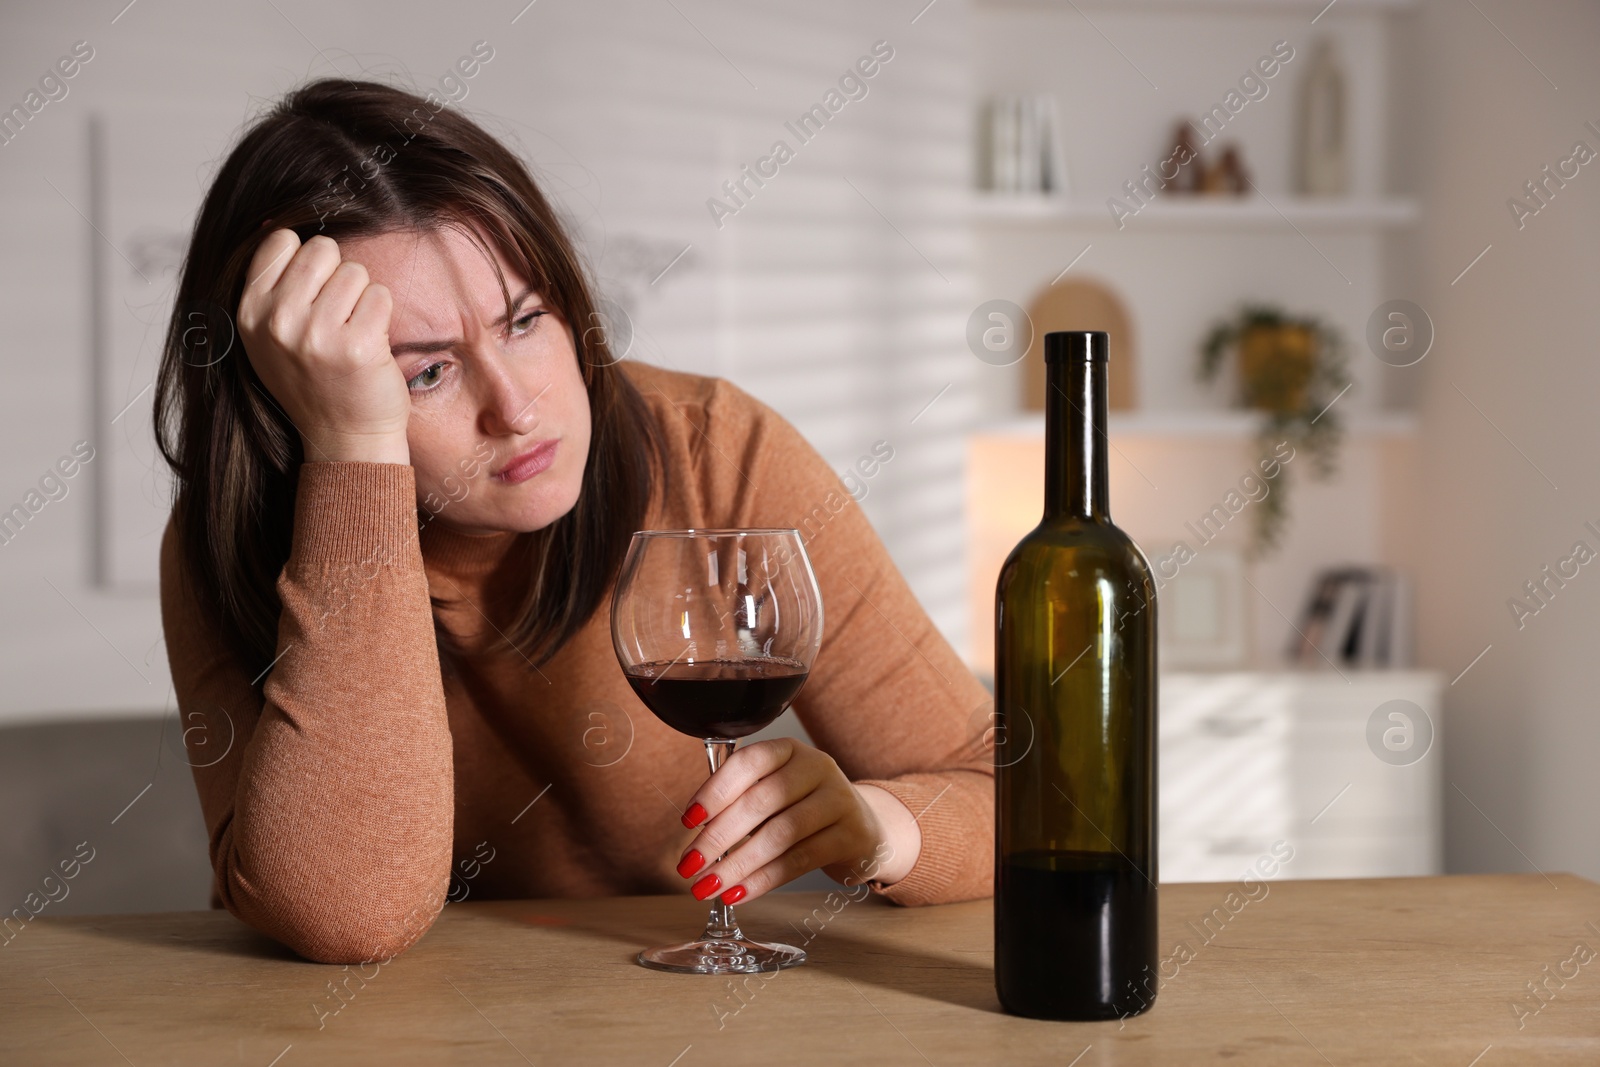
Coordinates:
x,y
356,159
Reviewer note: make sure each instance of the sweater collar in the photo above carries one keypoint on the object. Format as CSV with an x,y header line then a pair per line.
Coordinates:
x,y
463,556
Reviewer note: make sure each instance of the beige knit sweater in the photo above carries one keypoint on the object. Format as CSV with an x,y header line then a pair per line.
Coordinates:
x,y
365,789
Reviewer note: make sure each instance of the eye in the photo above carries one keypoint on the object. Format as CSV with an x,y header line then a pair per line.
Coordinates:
x,y
526,323
429,377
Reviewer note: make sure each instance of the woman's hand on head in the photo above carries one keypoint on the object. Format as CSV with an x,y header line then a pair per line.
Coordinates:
x,y
801,813
316,331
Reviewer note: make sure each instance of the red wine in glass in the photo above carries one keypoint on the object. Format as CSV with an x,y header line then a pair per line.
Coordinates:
x,y
718,698
716,631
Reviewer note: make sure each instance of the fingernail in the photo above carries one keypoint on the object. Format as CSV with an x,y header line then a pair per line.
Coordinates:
x,y
706,886
694,816
734,895
692,861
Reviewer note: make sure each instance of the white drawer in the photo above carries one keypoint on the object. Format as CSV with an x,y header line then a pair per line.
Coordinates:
x,y
1214,857
1326,764
1248,759
1231,787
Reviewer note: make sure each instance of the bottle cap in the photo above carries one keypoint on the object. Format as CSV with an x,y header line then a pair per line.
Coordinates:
x,y
1091,345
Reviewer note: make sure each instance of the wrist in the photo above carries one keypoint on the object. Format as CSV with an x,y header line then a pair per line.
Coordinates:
x,y
356,448
900,837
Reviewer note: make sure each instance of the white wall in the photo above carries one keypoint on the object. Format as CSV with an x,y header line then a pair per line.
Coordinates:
x,y
633,116
1517,337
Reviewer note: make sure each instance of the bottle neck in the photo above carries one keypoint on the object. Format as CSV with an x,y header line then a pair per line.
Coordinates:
x,y
1075,440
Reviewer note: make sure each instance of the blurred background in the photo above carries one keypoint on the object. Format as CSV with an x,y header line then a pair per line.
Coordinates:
x,y
1373,221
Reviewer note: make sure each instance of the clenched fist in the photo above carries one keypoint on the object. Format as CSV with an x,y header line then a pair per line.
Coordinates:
x,y
316,331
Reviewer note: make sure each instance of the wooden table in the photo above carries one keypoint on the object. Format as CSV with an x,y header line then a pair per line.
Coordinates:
x,y
1382,971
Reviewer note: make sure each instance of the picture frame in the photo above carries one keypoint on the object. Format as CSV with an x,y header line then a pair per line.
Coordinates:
x,y
1203,621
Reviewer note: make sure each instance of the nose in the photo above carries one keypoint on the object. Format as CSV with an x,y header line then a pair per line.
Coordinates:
x,y
508,408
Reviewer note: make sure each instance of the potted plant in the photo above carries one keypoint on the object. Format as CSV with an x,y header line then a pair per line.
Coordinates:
x,y
1291,369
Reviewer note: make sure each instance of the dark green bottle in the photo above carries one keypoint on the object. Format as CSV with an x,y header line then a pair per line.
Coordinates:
x,y
1075,706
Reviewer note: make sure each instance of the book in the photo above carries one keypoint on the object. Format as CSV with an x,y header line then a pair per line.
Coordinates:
x,y
1021,150
1376,620
1399,646
1344,624
1355,616
1313,619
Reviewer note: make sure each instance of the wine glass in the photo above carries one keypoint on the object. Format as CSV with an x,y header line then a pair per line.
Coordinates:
x,y
716,631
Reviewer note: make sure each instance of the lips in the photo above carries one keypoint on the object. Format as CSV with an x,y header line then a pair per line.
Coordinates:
x,y
530,464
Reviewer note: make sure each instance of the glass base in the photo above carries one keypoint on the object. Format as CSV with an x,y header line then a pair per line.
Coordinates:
x,y
721,947
722,956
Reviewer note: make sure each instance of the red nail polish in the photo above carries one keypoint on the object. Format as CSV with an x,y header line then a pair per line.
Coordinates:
x,y
734,895
706,886
692,861
694,816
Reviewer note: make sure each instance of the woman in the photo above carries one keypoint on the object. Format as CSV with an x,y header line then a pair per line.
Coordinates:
x,y
400,511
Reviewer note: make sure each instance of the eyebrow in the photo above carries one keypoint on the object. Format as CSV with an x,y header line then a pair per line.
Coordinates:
x,y
445,346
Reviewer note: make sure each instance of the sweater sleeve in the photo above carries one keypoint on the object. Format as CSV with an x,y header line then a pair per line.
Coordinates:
x,y
888,697
328,790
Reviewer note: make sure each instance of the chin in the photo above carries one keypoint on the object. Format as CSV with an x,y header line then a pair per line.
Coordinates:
x,y
540,506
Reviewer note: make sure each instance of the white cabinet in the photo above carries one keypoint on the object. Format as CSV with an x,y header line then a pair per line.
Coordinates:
x,y
1343,768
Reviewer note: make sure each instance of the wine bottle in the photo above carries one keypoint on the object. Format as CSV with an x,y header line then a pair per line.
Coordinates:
x,y
1075,714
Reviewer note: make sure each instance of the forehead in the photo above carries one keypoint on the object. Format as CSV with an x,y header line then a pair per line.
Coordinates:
x,y
439,279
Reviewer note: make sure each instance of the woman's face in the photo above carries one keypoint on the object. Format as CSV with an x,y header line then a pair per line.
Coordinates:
x,y
499,427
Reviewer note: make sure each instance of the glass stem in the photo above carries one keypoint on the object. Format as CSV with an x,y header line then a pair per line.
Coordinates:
x,y
720,925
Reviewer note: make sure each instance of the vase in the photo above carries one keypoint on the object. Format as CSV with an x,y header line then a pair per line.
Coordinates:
x,y
1276,363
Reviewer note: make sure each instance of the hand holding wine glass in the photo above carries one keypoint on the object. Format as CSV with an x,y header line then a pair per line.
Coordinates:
x,y
716,631
800,812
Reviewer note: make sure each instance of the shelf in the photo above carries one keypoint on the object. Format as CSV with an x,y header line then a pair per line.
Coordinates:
x,y
1217,425
1201,212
